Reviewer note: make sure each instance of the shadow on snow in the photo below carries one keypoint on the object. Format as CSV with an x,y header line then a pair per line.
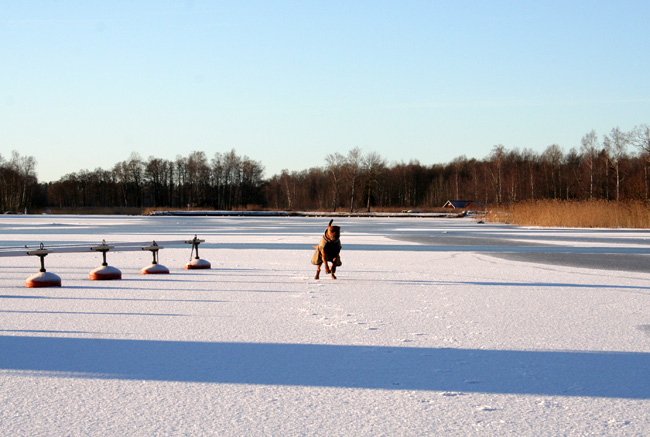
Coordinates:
x,y
554,373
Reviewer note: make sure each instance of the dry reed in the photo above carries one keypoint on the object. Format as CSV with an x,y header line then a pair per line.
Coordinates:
x,y
574,214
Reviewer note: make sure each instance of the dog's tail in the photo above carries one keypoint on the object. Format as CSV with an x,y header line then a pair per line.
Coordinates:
x,y
330,224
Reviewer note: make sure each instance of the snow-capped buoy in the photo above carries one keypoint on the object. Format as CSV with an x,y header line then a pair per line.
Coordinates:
x,y
154,268
196,263
42,278
105,272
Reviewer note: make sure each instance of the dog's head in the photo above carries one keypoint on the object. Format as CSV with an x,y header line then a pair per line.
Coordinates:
x,y
333,232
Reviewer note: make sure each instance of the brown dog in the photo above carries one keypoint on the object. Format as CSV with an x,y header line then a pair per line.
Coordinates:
x,y
328,250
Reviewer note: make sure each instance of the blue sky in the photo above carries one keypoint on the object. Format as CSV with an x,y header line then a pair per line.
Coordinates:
x,y
83,84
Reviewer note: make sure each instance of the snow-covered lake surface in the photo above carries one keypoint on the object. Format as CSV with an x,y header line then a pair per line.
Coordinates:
x,y
434,326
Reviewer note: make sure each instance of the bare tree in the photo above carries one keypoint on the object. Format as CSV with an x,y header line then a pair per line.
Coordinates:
x,y
589,149
373,166
231,166
640,138
457,164
335,163
289,187
135,170
353,167
573,177
158,179
531,159
496,159
198,177
217,178
553,157
17,181
26,168
616,144
251,180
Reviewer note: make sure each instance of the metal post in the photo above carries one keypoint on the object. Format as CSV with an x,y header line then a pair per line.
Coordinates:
x,y
195,246
103,248
41,252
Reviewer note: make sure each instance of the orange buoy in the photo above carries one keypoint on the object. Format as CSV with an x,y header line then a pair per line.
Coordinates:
x,y
43,279
105,273
197,263
154,269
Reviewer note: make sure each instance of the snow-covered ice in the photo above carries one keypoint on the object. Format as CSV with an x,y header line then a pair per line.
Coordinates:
x,y
434,326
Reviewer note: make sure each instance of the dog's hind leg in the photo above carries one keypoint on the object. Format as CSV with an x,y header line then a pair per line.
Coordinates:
x,y
317,273
333,269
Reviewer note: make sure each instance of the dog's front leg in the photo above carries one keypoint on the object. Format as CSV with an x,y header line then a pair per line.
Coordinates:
x,y
324,256
317,272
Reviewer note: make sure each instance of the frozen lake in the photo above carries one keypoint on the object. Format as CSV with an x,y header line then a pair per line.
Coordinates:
x,y
434,326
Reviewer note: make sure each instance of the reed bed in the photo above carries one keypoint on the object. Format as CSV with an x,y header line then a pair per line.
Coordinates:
x,y
574,214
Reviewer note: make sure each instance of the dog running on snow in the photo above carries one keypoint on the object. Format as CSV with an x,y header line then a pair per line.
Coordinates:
x,y
328,250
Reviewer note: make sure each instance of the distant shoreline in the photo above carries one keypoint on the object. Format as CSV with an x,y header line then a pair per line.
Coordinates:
x,y
308,214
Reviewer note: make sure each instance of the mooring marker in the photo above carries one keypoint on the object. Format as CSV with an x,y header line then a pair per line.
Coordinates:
x,y
105,272
196,262
154,268
43,278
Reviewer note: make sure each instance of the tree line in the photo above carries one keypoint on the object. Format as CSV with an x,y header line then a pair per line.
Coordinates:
x,y
614,166
18,182
227,181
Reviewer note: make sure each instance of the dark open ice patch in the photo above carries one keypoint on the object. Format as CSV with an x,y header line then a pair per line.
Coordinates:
x,y
608,255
